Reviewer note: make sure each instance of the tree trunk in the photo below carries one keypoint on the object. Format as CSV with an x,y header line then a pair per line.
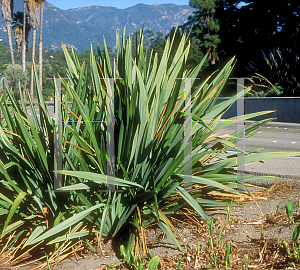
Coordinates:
x,y
24,46
41,48
24,38
8,28
33,57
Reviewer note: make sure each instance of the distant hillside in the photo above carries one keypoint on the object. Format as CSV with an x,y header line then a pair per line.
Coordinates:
x,y
78,27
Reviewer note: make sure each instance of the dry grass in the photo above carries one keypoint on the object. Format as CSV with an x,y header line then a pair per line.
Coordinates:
x,y
263,253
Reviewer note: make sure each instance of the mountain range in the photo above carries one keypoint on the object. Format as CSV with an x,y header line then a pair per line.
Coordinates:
x,y
81,26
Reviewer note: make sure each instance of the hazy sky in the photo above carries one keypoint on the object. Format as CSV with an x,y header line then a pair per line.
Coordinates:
x,y
66,4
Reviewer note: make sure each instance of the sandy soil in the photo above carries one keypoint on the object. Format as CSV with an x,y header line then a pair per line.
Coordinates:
x,y
248,220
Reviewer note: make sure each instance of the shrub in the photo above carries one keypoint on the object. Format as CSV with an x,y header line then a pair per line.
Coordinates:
x,y
150,152
149,138
14,75
277,67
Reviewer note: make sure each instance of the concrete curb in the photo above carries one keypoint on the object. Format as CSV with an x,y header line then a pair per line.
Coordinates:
x,y
268,182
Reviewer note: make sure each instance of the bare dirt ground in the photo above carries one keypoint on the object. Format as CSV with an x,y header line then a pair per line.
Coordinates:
x,y
254,228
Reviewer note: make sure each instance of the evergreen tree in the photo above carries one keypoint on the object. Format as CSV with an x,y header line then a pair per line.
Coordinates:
x,y
205,27
158,43
228,15
3,61
247,27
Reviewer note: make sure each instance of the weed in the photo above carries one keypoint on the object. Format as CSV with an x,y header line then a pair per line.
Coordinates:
x,y
290,210
246,261
136,262
179,264
229,206
277,210
227,254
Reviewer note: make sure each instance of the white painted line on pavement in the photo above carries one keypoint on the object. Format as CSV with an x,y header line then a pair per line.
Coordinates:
x,y
234,152
293,142
274,141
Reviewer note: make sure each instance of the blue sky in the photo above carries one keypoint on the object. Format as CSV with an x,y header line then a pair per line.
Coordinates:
x,y
66,4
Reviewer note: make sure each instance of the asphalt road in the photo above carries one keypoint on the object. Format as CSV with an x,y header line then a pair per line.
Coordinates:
x,y
274,137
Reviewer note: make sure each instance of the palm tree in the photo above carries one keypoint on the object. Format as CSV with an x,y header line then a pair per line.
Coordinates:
x,y
18,32
33,8
41,44
21,38
18,27
24,38
24,44
7,11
